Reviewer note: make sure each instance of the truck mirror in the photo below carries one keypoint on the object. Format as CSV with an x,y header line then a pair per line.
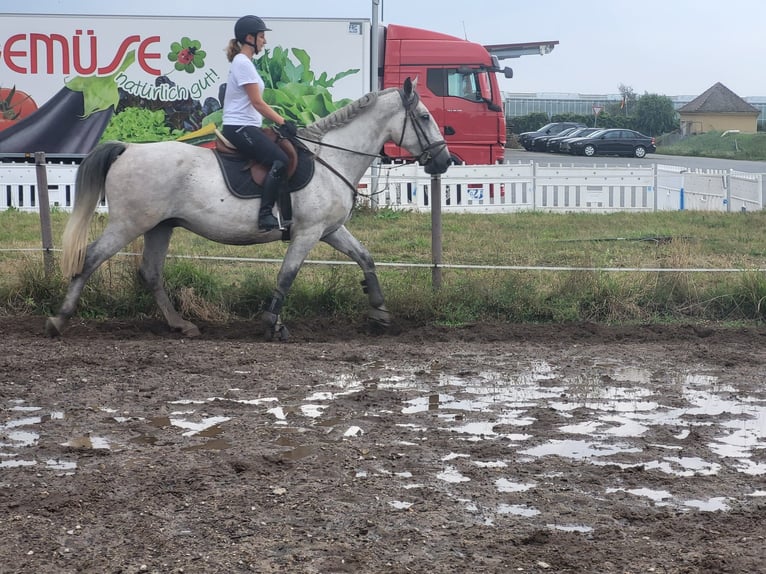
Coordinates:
x,y
508,72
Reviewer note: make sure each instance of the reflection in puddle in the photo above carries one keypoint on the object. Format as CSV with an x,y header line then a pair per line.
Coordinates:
x,y
655,495
577,449
571,527
505,485
451,474
710,505
517,509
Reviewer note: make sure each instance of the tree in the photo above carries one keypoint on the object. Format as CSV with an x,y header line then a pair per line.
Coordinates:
x,y
655,115
625,105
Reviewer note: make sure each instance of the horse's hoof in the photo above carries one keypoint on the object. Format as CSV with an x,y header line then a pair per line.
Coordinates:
x,y
192,331
380,316
273,327
53,327
283,333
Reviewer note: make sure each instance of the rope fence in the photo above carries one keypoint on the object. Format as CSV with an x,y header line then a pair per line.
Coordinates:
x,y
432,265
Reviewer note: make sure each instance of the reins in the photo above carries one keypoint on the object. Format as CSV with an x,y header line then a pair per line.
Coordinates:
x,y
425,153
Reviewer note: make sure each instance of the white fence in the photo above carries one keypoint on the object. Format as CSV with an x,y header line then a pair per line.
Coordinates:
x,y
502,188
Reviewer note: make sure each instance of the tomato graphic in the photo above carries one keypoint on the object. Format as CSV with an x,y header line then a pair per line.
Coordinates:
x,y
14,105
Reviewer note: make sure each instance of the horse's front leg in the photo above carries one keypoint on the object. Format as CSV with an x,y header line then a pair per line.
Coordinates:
x,y
297,252
343,241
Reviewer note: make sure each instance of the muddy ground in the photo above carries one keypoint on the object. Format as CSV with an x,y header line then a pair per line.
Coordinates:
x,y
489,448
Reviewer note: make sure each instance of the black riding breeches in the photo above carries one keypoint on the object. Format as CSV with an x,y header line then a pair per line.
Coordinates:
x,y
255,144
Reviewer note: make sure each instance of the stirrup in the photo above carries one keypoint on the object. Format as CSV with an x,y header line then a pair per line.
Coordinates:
x,y
268,222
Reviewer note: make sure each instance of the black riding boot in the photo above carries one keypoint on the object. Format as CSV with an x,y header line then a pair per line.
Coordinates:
x,y
272,184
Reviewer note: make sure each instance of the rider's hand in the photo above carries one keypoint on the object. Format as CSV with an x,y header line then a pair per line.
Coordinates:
x,y
288,129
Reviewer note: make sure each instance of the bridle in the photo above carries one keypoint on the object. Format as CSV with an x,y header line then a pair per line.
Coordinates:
x,y
410,105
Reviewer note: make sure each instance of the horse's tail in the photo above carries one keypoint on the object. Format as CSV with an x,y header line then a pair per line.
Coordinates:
x,y
89,189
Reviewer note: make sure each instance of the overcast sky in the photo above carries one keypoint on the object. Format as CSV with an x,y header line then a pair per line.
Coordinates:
x,y
667,47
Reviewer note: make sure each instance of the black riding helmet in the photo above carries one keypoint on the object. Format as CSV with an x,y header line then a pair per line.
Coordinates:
x,y
249,25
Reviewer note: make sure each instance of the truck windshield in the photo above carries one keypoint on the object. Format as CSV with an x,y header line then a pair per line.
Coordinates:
x,y
463,86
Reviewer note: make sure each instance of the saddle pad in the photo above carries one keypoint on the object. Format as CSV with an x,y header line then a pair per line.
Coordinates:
x,y
239,182
237,176
305,170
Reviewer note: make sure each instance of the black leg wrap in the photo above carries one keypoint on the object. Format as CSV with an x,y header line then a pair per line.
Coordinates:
x,y
275,305
272,324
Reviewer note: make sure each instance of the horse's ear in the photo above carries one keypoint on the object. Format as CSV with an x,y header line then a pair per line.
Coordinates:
x,y
408,87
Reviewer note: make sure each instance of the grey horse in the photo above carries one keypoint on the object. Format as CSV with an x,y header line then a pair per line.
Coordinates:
x,y
154,187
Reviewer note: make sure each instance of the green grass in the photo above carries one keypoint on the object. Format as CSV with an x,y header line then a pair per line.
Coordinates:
x,y
217,291
731,146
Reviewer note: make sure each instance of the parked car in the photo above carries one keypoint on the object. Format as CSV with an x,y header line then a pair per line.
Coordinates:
x,y
554,128
566,145
554,144
614,142
540,143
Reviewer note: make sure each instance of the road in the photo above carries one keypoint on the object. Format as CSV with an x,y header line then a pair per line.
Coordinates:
x,y
520,155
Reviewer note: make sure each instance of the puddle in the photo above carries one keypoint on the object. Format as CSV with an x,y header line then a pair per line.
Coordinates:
x,y
215,444
505,485
297,453
87,442
577,449
517,510
710,505
522,416
453,475
570,527
655,495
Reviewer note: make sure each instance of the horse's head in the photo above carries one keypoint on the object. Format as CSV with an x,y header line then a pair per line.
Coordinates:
x,y
420,134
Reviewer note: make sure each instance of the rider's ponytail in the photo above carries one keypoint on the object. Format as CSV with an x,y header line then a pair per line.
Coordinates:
x,y
233,49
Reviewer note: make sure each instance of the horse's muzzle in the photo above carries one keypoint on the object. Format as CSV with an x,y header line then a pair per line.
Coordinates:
x,y
438,163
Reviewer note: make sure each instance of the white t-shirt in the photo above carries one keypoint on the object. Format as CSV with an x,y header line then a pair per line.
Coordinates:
x,y
237,109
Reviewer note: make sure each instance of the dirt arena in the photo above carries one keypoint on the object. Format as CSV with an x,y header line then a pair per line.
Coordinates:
x,y
489,448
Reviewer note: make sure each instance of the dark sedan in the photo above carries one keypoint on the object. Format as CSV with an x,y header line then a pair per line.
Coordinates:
x,y
614,142
554,144
539,143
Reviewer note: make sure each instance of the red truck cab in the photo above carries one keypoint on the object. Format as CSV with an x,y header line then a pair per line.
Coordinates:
x,y
457,82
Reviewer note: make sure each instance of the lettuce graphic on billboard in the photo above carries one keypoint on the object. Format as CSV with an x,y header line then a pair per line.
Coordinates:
x,y
294,90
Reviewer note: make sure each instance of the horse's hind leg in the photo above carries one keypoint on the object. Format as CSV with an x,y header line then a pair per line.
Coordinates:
x,y
111,241
343,241
156,242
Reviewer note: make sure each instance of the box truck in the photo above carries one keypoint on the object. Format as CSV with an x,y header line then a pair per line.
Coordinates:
x,y
70,81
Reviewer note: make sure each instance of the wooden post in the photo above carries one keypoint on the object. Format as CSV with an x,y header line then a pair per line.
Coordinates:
x,y
45,212
436,231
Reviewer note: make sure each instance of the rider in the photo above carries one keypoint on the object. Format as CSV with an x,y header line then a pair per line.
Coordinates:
x,y
244,109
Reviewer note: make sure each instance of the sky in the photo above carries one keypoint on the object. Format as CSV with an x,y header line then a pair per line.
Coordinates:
x,y
666,47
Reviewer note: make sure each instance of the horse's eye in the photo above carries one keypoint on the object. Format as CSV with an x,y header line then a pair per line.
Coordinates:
x,y
424,117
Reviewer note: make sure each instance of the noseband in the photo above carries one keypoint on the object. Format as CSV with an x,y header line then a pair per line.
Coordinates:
x,y
426,147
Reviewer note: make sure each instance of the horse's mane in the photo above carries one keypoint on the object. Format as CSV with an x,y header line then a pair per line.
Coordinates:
x,y
344,115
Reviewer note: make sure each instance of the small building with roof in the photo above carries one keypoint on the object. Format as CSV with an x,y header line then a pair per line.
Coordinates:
x,y
718,109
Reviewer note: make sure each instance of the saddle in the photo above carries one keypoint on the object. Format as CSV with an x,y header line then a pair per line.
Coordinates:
x,y
244,176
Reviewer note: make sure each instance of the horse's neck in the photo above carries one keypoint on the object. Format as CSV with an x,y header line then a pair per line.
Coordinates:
x,y
360,141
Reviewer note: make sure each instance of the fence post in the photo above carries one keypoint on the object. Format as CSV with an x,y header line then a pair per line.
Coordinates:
x,y
681,198
45,212
436,231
